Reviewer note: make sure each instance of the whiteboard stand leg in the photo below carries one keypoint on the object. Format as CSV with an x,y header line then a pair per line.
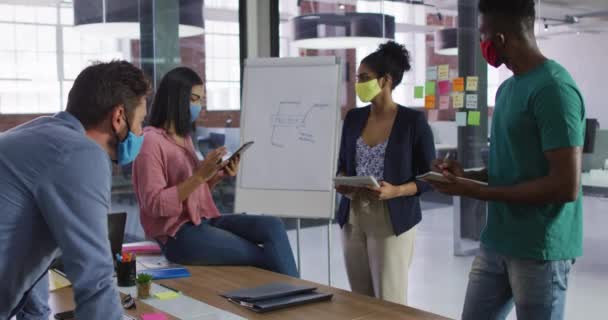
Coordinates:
x,y
299,254
329,253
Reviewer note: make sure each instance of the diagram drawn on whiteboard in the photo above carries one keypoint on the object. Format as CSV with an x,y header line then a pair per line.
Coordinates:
x,y
292,123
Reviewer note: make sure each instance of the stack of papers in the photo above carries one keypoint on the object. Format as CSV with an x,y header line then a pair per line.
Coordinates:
x,y
161,268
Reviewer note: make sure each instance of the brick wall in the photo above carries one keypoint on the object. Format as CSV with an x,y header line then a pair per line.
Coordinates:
x,y
8,121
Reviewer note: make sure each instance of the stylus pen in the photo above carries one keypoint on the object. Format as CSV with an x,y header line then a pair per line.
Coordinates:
x,y
169,288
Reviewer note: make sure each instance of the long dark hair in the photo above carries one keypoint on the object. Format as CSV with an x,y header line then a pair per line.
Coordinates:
x,y
172,100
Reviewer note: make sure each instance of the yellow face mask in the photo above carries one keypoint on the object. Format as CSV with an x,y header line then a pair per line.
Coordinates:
x,y
366,91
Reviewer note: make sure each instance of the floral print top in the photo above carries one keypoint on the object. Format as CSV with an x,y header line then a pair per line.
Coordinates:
x,y
370,160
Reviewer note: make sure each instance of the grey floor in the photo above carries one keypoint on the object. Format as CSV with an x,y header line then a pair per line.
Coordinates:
x,y
438,279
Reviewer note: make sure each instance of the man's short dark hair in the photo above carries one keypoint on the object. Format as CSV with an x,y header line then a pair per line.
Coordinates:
x,y
512,12
101,87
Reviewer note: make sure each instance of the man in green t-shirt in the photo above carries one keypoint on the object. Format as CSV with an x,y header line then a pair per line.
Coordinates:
x,y
534,226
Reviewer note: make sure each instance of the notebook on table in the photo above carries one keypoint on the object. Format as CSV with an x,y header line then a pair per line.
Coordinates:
x,y
275,296
160,268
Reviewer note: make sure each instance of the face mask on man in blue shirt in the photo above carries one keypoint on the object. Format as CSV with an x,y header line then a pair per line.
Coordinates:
x,y
128,149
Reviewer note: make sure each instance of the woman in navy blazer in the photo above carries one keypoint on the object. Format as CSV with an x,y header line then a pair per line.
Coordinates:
x,y
394,144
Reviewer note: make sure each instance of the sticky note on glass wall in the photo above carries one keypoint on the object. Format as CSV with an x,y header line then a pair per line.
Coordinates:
x,y
444,102
429,102
461,119
444,87
443,72
458,85
471,101
431,73
474,118
419,92
429,88
472,83
433,115
458,100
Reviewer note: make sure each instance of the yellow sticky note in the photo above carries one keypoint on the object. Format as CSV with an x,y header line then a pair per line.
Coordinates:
x,y
443,72
458,100
474,118
57,281
458,85
167,295
429,102
472,83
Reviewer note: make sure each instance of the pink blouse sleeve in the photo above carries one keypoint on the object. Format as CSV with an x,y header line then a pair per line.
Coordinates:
x,y
155,198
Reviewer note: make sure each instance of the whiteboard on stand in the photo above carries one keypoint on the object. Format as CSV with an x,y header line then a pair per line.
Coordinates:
x,y
291,110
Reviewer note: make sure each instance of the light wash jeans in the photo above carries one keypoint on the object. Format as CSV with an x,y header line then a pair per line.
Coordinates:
x,y
537,288
35,304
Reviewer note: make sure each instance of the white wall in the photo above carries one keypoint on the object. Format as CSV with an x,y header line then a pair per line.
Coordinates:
x,y
584,56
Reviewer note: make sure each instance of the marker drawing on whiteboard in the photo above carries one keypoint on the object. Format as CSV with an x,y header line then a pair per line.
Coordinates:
x,y
291,117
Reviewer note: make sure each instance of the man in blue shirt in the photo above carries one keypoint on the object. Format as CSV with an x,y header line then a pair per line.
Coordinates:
x,y
55,180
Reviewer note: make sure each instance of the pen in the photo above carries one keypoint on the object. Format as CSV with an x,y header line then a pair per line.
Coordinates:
x,y
169,288
447,156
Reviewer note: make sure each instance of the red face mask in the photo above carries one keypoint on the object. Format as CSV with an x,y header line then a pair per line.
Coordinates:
x,y
489,53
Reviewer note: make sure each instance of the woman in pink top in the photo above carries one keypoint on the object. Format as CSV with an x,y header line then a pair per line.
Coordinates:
x,y
173,189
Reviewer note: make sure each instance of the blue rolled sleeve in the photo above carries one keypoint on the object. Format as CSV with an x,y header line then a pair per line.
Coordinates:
x,y
73,198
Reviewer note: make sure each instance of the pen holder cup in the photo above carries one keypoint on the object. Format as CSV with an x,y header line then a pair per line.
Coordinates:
x,y
126,273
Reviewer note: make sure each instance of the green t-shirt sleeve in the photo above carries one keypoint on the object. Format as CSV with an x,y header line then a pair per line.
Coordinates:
x,y
560,116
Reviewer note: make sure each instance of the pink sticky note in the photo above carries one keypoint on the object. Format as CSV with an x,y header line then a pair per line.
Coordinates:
x,y
444,102
433,115
444,87
153,316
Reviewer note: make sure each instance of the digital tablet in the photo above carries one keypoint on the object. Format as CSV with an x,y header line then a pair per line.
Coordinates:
x,y
367,181
433,176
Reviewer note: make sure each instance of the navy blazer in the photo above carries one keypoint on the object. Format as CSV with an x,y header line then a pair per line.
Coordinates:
x,y
409,152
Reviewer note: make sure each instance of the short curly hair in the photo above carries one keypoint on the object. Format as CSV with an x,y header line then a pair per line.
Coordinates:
x,y
512,12
515,8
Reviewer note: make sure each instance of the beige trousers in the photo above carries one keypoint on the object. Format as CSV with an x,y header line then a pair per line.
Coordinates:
x,y
377,261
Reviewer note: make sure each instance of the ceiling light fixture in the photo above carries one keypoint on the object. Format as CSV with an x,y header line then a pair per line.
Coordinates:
x,y
120,18
446,42
342,31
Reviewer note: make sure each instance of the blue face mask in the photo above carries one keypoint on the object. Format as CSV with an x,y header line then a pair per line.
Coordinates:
x,y
195,111
128,149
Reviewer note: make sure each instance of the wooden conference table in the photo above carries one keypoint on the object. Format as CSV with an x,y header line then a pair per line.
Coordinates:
x,y
207,283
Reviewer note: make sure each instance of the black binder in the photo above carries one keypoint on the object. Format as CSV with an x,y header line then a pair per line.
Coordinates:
x,y
275,296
